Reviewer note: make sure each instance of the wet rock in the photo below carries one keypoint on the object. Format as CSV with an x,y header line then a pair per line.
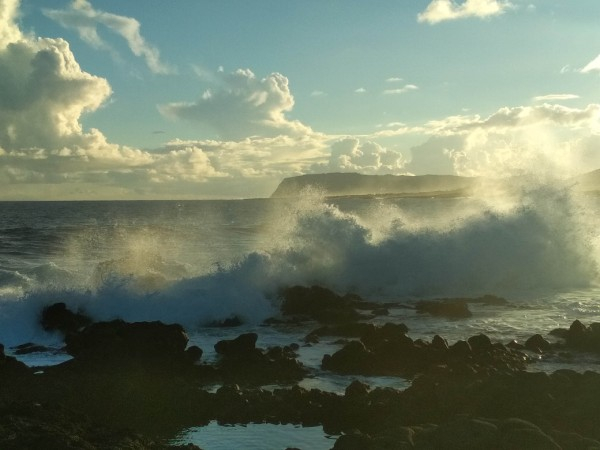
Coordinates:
x,y
230,322
242,345
354,441
515,345
439,343
193,353
401,356
480,343
581,337
461,433
320,304
461,348
518,433
357,389
449,308
242,362
57,317
28,348
537,343
146,342
11,369
352,358
369,333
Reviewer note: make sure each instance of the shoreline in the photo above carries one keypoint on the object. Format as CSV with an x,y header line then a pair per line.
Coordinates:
x,y
146,378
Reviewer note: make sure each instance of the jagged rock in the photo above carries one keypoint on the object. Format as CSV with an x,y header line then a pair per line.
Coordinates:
x,y
480,343
449,308
146,342
58,317
240,346
537,343
319,304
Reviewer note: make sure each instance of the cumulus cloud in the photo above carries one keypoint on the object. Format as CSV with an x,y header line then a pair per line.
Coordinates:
x,y
243,106
519,117
9,31
402,90
43,93
83,18
592,66
360,90
351,155
274,157
443,10
521,140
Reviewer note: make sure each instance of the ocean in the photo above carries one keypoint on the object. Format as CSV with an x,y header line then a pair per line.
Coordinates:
x,y
201,262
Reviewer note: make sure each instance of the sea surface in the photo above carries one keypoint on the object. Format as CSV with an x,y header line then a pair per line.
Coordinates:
x,y
200,262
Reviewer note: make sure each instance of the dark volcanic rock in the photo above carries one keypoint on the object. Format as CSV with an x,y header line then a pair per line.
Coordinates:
x,y
28,348
147,342
456,308
57,317
450,308
401,356
242,345
580,337
367,332
537,343
242,362
320,304
10,368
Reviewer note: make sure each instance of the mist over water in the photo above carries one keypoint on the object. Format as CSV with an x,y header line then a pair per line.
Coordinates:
x,y
232,258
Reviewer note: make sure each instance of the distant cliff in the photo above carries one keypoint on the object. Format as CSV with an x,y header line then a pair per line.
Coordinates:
x,y
342,184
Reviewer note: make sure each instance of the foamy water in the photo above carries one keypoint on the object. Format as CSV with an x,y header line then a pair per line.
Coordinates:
x,y
197,262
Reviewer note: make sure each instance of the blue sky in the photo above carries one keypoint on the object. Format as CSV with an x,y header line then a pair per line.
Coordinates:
x,y
205,99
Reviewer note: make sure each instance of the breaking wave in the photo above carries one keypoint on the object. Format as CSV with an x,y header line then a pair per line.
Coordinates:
x,y
543,238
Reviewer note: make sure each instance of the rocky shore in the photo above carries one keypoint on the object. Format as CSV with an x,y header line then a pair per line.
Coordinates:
x,y
135,385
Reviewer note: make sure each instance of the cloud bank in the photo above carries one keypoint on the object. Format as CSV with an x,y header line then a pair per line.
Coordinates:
x,y
444,10
83,18
547,138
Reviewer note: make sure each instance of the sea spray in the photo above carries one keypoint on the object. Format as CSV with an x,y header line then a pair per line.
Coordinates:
x,y
536,238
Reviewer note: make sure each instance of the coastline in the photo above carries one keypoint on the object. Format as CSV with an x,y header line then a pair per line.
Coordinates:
x,y
146,379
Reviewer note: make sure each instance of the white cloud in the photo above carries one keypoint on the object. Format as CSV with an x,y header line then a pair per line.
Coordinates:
x,y
442,10
402,90
393,80
360,90
82,17
351,155
9,31
592,66
554,97
519,117
243,106
544,139
43,93
317,94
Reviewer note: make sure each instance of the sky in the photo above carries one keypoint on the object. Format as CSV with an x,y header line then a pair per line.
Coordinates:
x,y
201,99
